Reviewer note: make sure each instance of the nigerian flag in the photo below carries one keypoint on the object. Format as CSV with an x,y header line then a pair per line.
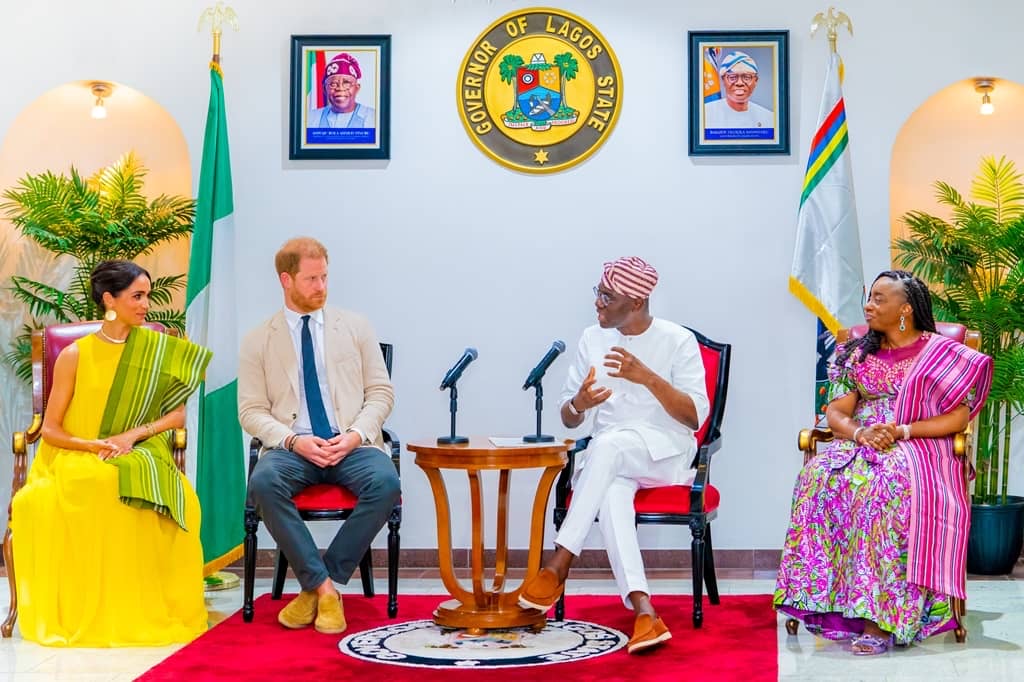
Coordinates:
x,y
218,449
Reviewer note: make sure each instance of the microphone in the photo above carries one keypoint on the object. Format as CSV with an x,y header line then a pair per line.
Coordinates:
x,y
537,373
455,372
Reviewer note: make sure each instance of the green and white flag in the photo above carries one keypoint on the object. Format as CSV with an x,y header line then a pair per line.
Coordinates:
x,y
215,436
827,274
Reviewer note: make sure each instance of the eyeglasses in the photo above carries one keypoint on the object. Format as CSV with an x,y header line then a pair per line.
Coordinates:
x,y
602,297
747,78
341,85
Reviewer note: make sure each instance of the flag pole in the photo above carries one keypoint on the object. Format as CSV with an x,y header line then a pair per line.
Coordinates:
x,y
215,17
831,21
831,212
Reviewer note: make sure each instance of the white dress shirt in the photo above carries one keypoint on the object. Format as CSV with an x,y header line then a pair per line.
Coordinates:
x,y
670,351
303,425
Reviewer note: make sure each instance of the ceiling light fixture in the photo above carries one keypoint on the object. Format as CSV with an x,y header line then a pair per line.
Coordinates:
x,y
985,86
100,89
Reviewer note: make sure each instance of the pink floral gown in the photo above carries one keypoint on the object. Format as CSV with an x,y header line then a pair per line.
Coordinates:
x,y
845,554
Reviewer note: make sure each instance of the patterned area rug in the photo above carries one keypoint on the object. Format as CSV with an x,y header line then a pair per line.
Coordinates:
x,y
422,643
737,642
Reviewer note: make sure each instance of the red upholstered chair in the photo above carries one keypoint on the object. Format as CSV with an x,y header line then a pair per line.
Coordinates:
x,y
325,503
694,506
809,439
47,344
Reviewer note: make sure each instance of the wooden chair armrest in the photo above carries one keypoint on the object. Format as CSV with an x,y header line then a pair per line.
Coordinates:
x,y
255,445
20,440
808,439
564,484
698,489
391,439
179,441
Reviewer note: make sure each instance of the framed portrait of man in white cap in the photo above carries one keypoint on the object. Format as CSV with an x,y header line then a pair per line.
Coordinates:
x,y
340,97
739,92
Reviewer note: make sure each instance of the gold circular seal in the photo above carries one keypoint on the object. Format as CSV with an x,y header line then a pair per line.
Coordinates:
x,y
539,90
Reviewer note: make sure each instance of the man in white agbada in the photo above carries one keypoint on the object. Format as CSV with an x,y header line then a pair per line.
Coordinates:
x,y
738,75
639,382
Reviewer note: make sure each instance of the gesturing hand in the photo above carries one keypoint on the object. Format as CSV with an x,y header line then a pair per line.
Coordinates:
x,y
626,366
589,395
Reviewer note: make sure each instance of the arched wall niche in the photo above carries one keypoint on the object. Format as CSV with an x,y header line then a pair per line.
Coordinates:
x,y
55,132
945,139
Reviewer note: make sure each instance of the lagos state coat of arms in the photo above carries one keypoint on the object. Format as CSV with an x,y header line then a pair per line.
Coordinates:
x,y
539,90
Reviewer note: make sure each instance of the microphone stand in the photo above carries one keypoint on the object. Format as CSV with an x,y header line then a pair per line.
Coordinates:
x,y
453,406
539,405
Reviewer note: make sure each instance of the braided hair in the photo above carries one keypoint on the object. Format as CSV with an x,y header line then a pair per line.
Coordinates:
x,y
920,301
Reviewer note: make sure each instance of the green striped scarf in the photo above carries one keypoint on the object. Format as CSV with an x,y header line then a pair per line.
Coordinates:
x,y
157,372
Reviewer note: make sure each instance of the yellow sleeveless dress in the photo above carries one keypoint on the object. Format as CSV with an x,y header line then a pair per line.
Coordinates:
x,y
90,570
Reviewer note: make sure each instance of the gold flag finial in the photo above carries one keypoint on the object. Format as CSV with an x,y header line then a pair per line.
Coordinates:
x,y
216,16
831,21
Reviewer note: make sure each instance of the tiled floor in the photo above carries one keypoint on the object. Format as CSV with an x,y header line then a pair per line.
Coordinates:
x,y
993,651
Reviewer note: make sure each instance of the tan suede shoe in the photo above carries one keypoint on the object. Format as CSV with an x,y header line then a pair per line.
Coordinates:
x,y
299,612
330,616
542,591
647,632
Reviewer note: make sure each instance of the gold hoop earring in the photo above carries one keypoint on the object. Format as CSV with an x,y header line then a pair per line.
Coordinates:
x,y
111,315
903,323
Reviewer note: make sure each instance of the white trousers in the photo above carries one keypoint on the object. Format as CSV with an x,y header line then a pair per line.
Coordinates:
x,y
614,466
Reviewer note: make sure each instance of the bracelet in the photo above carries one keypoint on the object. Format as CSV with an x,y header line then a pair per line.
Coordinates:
x,y
572,408
289,442
150,430
905,428
857,431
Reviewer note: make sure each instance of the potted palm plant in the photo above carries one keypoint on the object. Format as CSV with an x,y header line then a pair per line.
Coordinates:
x,y
974,264
103,217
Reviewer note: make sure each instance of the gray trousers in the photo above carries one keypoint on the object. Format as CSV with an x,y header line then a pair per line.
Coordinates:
x,y
280,474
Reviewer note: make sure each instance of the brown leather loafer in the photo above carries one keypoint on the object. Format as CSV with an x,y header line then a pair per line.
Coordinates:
x,y
299,612
647,632
542,592
330,616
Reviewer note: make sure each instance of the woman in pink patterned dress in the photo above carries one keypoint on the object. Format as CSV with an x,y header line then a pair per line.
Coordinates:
x,y
877,539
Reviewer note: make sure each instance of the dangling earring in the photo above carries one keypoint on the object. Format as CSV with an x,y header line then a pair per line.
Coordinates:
x,y
111,315
903,323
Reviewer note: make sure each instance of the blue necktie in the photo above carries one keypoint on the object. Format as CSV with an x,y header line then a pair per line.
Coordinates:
x,y
314,401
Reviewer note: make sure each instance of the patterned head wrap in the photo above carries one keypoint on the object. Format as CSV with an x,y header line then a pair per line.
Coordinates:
x,y
737,62
343,64
630,276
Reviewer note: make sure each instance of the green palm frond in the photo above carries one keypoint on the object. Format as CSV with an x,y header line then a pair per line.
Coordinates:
x,y
104,217
19,357
974,265
174,319
999,184
44,300
163,289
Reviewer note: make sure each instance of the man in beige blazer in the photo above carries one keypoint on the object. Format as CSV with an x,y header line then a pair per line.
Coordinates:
x,y
312,385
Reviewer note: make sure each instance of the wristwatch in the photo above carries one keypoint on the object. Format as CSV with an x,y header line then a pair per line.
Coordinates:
x,y
572,409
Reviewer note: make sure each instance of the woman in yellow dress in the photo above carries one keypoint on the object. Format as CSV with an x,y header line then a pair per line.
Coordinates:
x,y
106,529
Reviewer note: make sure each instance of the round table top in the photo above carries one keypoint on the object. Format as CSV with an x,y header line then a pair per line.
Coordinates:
x,y
480,453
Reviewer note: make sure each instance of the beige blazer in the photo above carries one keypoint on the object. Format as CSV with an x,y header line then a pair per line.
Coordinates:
x,y
268,378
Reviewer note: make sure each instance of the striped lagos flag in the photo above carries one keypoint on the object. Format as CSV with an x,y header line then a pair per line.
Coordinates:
x,y
827,274
215,436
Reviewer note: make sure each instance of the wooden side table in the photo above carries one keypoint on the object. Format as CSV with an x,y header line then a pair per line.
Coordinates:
x,y
486,608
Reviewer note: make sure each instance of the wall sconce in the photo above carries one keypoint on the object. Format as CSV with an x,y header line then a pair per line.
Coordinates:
x,y
985,86
100,89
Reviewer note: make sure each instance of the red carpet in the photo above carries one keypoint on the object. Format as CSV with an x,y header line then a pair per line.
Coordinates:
x,y
737,642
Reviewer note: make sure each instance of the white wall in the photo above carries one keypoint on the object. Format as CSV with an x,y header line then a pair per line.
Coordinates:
x,y
429,244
